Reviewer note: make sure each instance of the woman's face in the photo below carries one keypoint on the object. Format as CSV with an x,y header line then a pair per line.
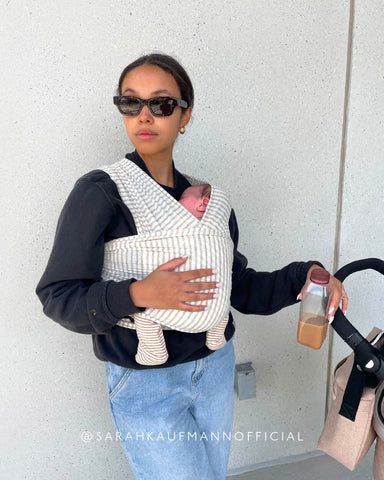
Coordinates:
x,y
145,82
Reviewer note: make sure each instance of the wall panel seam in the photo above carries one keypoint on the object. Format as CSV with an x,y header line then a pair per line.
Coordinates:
x,y
343,149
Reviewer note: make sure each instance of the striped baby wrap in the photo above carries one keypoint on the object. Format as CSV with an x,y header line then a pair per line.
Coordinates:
x,y
167,230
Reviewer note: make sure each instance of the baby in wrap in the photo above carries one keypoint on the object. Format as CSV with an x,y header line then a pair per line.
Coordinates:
x,y
197,226
152,349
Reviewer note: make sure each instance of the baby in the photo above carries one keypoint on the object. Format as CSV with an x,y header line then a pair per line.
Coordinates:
x,y
152,349
195,199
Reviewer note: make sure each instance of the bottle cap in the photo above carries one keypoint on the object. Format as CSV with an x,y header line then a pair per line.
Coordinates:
x,y
320,276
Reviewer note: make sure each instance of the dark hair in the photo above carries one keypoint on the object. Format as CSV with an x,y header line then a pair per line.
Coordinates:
x,y
205,190
169,65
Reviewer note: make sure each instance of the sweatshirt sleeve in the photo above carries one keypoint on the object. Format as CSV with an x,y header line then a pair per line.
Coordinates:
x,y
264,293
71,289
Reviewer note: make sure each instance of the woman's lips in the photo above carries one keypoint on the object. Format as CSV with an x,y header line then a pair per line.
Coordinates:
x,y
146,135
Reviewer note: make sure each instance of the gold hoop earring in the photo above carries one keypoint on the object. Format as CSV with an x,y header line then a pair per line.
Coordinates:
x,y
182,130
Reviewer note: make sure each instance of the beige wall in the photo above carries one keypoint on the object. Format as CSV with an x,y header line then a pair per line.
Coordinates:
x,y
269,78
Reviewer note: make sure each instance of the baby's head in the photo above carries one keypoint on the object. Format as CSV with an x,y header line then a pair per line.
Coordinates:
x,y
195,199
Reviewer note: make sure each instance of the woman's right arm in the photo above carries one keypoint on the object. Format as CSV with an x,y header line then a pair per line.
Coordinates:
x,y
71,289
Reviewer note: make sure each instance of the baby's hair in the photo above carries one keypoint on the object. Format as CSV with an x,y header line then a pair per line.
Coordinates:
x,y
169,65
205,190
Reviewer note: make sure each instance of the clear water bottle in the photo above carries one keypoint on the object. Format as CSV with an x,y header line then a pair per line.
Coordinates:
x,y
312,327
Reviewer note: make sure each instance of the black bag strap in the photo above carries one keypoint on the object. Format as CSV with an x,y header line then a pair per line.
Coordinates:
x,y
358,265
352,393
358,379
340,323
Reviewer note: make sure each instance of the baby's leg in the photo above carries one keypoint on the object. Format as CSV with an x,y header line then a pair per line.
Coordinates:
x,y
215,336
151,349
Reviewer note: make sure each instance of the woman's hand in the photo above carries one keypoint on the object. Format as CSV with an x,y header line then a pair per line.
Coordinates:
x,y
166,289
337,294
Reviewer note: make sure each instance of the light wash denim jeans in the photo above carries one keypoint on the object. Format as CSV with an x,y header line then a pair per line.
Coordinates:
x,y
175,423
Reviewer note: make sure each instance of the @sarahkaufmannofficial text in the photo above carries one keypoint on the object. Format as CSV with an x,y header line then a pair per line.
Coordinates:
x,y
251,436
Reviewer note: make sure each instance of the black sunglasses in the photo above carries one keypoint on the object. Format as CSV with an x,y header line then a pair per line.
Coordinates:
x,y
158,106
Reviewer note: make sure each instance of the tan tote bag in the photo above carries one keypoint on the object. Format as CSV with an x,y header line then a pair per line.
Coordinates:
x,y
345,440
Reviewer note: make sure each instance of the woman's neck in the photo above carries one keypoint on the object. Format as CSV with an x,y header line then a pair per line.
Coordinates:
x,y
160,166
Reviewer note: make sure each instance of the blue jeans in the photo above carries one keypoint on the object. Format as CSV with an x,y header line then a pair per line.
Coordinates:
x,y
175,423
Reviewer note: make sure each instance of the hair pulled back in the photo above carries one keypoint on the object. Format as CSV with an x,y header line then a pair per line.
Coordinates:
x,y
169,65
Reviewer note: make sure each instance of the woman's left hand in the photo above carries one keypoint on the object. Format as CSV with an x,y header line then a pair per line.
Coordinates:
x,y
337,294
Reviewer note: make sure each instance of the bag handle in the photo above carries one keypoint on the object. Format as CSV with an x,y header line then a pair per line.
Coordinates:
x,y
358,265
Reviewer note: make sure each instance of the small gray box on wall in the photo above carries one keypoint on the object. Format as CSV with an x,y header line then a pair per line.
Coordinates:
x,y
245,381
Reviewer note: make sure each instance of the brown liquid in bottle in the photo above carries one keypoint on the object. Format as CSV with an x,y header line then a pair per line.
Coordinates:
x,y
312,330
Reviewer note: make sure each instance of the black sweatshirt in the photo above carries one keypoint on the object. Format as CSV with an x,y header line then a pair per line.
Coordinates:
x,y
74,295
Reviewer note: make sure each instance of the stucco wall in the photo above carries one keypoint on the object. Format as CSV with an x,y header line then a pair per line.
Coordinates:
x,y
270,83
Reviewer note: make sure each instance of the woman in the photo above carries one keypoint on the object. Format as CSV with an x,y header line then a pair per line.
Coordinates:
x,y
164,414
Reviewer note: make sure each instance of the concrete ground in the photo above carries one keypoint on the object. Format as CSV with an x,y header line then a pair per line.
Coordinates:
x,y
321,467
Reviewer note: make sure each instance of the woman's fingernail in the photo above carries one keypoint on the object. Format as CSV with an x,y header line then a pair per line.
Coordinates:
x,y
205,307
331,310
215,295
218,285
214,271
298,297
184,256
330,320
